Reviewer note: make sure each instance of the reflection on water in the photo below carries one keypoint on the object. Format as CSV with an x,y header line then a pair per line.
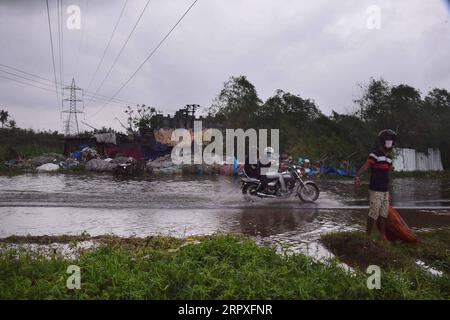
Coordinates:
x,y
60,204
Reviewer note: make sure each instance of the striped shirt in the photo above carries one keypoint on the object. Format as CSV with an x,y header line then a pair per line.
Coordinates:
x,y
380,164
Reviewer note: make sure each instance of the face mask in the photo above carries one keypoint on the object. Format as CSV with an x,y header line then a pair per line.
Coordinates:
x,y
388,144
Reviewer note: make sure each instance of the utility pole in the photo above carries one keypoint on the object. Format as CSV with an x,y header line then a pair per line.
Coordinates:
x,y
71,124
189,110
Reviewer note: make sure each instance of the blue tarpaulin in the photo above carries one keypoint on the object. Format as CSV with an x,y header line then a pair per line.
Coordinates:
x,y
155,151
332,170
76,155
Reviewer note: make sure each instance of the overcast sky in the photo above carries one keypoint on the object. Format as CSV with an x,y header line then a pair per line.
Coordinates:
x,y
317,49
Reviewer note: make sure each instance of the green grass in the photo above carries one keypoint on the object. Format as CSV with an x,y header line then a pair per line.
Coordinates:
x,y
28,143
218,267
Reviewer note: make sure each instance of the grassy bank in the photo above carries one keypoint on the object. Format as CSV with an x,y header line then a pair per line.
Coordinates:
x,y
424,266
216,267
358,250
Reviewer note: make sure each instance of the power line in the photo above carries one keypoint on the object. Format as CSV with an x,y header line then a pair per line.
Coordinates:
x,y
62,39
35,86
107,46
24,72
42,83
148,57
121,49
60,43
100,100
53,54
27,84
81,38
88,93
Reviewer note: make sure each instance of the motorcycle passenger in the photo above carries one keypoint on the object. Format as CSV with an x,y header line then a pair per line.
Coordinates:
x,y
306,166
251,170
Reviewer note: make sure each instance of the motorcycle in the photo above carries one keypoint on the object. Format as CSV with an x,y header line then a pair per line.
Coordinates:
x,y
127,169
306,191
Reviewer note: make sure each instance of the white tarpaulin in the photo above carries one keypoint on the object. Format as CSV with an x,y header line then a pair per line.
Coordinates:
x,y
108,137
48,167
410,160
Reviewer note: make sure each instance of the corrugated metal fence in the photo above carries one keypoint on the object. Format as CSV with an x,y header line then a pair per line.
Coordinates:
x,y
410,160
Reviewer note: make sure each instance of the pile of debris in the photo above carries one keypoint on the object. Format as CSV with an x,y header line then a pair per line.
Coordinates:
x,y
87,158
163,164
44,163
99,165
46,158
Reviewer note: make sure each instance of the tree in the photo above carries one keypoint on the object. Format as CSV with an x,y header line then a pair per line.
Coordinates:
x,y
141,118
438,101
236,105
12,124
287,111
400,108
437,107
4,116
287,105
374,105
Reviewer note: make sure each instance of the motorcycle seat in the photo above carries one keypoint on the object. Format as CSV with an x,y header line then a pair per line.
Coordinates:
x,y
251,180
272,177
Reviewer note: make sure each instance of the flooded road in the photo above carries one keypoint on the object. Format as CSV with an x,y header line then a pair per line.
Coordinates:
x,y
70,204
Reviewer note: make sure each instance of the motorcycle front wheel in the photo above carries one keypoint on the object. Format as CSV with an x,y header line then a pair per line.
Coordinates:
x,y
308,192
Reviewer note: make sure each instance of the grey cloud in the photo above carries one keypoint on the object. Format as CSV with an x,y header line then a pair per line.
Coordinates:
x,y
320,50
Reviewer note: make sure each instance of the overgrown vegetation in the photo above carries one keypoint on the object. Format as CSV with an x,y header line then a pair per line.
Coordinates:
x,y
216,267
140,118
17,142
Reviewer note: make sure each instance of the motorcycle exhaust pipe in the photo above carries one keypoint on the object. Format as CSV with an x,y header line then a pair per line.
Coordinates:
x,y
263,195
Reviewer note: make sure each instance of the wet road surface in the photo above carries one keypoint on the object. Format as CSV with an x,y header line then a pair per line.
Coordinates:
x,y
70,204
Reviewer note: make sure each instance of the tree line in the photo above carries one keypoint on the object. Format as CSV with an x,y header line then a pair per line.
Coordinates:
x,y
421,121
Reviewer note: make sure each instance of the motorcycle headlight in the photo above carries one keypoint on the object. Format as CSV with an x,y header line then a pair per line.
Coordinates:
x,y
299,171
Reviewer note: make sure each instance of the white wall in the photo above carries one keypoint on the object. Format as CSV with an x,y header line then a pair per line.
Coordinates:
x,y
410,160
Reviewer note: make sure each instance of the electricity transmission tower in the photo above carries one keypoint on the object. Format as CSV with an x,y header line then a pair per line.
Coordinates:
x,y
71,124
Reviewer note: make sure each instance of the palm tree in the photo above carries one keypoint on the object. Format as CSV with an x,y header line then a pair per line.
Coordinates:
x,y
4,115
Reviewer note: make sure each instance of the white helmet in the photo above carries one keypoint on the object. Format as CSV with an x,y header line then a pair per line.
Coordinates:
x,y
269,151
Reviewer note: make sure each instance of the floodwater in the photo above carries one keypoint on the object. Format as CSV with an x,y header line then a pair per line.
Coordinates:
x,y
44,204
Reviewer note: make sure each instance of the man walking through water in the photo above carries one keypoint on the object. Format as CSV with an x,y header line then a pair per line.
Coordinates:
x,y
380,162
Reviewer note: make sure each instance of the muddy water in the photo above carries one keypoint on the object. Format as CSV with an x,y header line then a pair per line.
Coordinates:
x,y
69,204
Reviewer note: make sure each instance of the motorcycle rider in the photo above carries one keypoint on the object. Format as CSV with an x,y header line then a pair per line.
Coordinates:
x,y
263,171
380,162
